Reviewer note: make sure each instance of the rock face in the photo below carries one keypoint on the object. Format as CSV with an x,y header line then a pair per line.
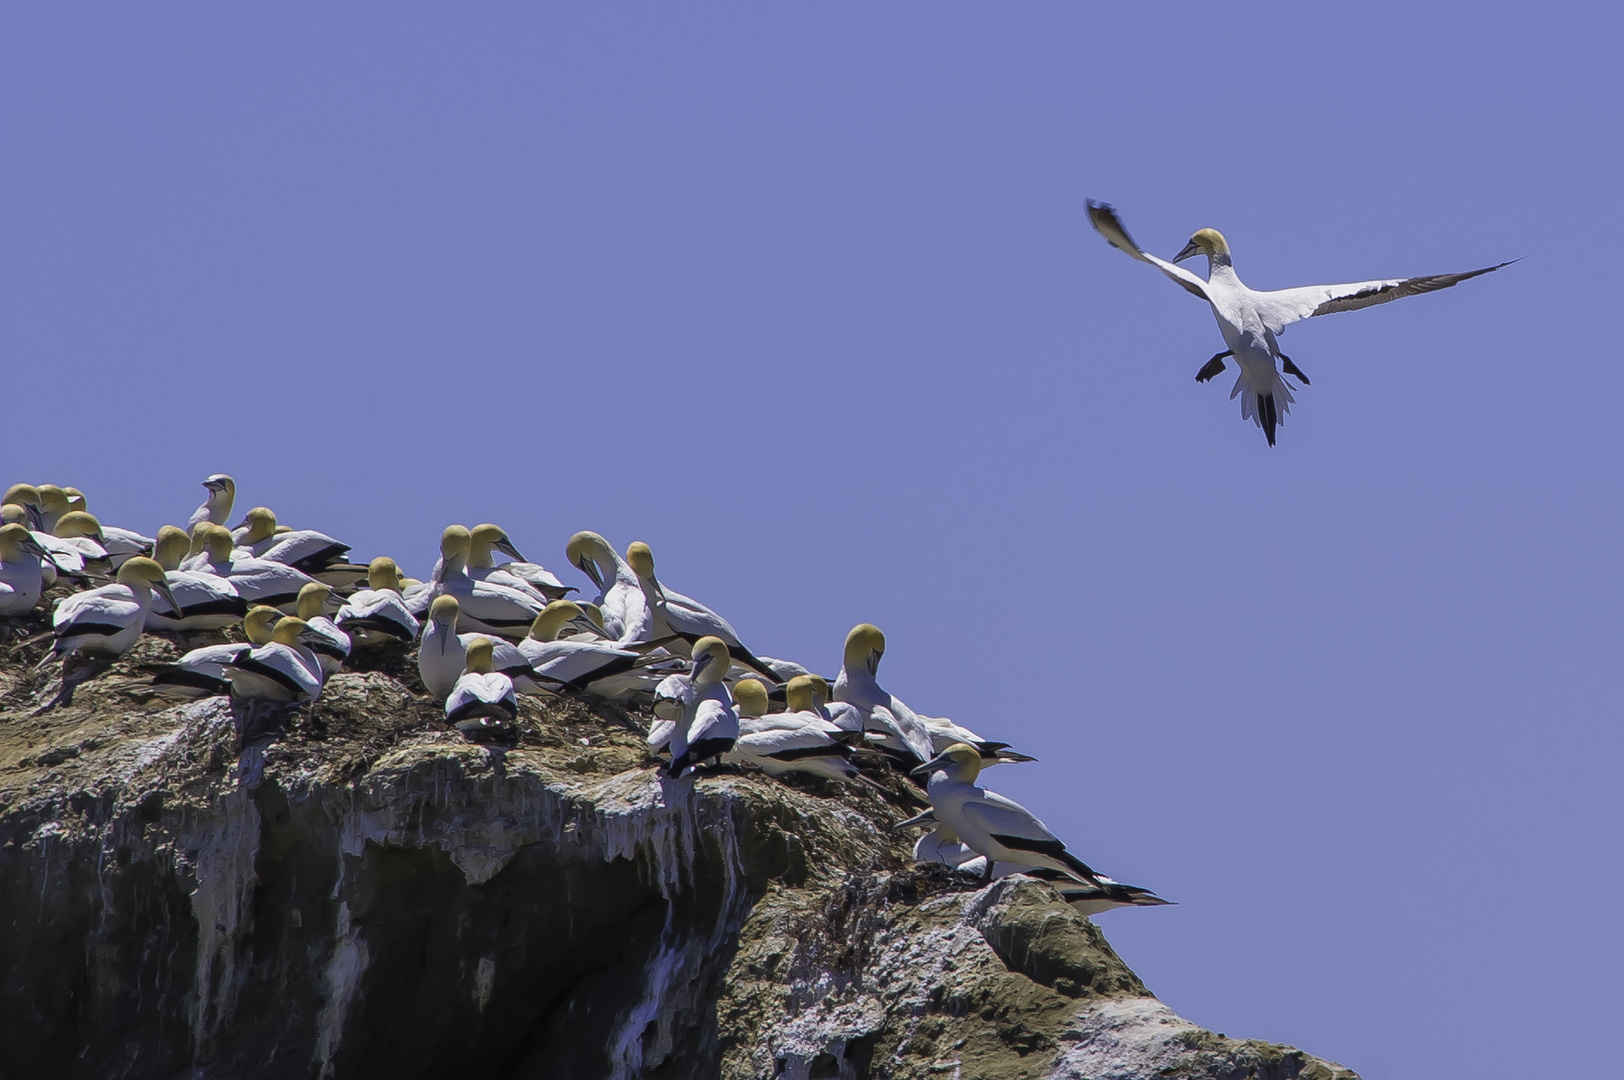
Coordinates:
x,y
352,891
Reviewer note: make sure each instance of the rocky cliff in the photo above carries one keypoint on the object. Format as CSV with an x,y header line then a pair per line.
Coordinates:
x,y
350,890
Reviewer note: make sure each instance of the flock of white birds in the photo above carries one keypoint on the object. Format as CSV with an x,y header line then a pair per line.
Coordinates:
x,y
486,631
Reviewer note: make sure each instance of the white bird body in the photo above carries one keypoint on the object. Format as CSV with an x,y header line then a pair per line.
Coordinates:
x,y
22,572
442,654
595,667
1001,829
303,549
216,508
258,581
277,672
790,721
678,621
122,544
709,725
626,613
804,748
108,620
538,578
886,719
485,608
330,644
207,602
481,694
375,617
200,672
1251,321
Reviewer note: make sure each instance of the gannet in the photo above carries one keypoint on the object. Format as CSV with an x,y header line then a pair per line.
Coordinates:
x,y
17,514
678,621
486,608
626,613
216,508
258,581
944,733
442,653
120,543
321,635
62,556
22,576
709,724
783,743
207,601
283,670
593,667
202,672
1251,320
815,690
516,573
84,533
942,845
53,503
988,823
306,550
106,621
889,722
27,497
480,695
376,616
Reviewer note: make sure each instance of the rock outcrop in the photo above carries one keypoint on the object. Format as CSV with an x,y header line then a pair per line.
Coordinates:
x,y
352,891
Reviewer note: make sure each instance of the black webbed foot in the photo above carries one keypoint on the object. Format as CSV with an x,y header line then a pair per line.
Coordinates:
x,y
1293,370
1212,368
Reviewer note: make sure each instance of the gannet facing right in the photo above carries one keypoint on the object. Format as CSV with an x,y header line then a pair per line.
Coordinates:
x,y
709,724
1252,320
679,621
893,725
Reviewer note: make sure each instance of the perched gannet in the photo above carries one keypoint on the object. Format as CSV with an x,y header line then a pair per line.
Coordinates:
x,y
120,543
812,693
889,723
480,695
322,636
53,503
377,616
283,670
207,601
626,614
988,823
27,497
62,556
515,574
442,653
592,667
106,621
84,533
306,550
17,514
709,725
942,845
22,575
679,621
1251,321
258,581
778,744
216,508
202,672
944,733
486,608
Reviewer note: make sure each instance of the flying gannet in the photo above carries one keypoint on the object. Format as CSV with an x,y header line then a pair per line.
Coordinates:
x,y
1252,320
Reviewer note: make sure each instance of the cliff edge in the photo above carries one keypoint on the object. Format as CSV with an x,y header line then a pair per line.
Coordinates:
x,y
350,890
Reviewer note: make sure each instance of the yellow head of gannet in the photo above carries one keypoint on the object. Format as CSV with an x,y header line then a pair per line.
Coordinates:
x,y
261,525
53,500
171,546
798,694
961,762
864,647
484,538
478,661
591,554
258,622
312,598
640,557
78,523
16,542
76,499
820,690
382,573
750,696
711,661
13,514
287,630
1208,242
27,497
217,541
142,572
552,619
455,542
445,610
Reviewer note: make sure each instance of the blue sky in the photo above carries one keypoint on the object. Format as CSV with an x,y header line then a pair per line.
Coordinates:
x,y
805,298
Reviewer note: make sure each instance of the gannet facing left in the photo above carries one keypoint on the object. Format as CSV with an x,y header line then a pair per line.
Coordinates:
x,y
1251,320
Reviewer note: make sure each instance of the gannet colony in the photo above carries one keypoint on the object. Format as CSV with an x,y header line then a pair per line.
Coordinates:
x,y
485,631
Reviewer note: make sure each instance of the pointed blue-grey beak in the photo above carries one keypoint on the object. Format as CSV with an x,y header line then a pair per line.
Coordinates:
x,y
505,546
940,761
1190,249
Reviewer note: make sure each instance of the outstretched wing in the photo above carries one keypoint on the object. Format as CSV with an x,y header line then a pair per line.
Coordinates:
x,y
1283,307
1103,217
